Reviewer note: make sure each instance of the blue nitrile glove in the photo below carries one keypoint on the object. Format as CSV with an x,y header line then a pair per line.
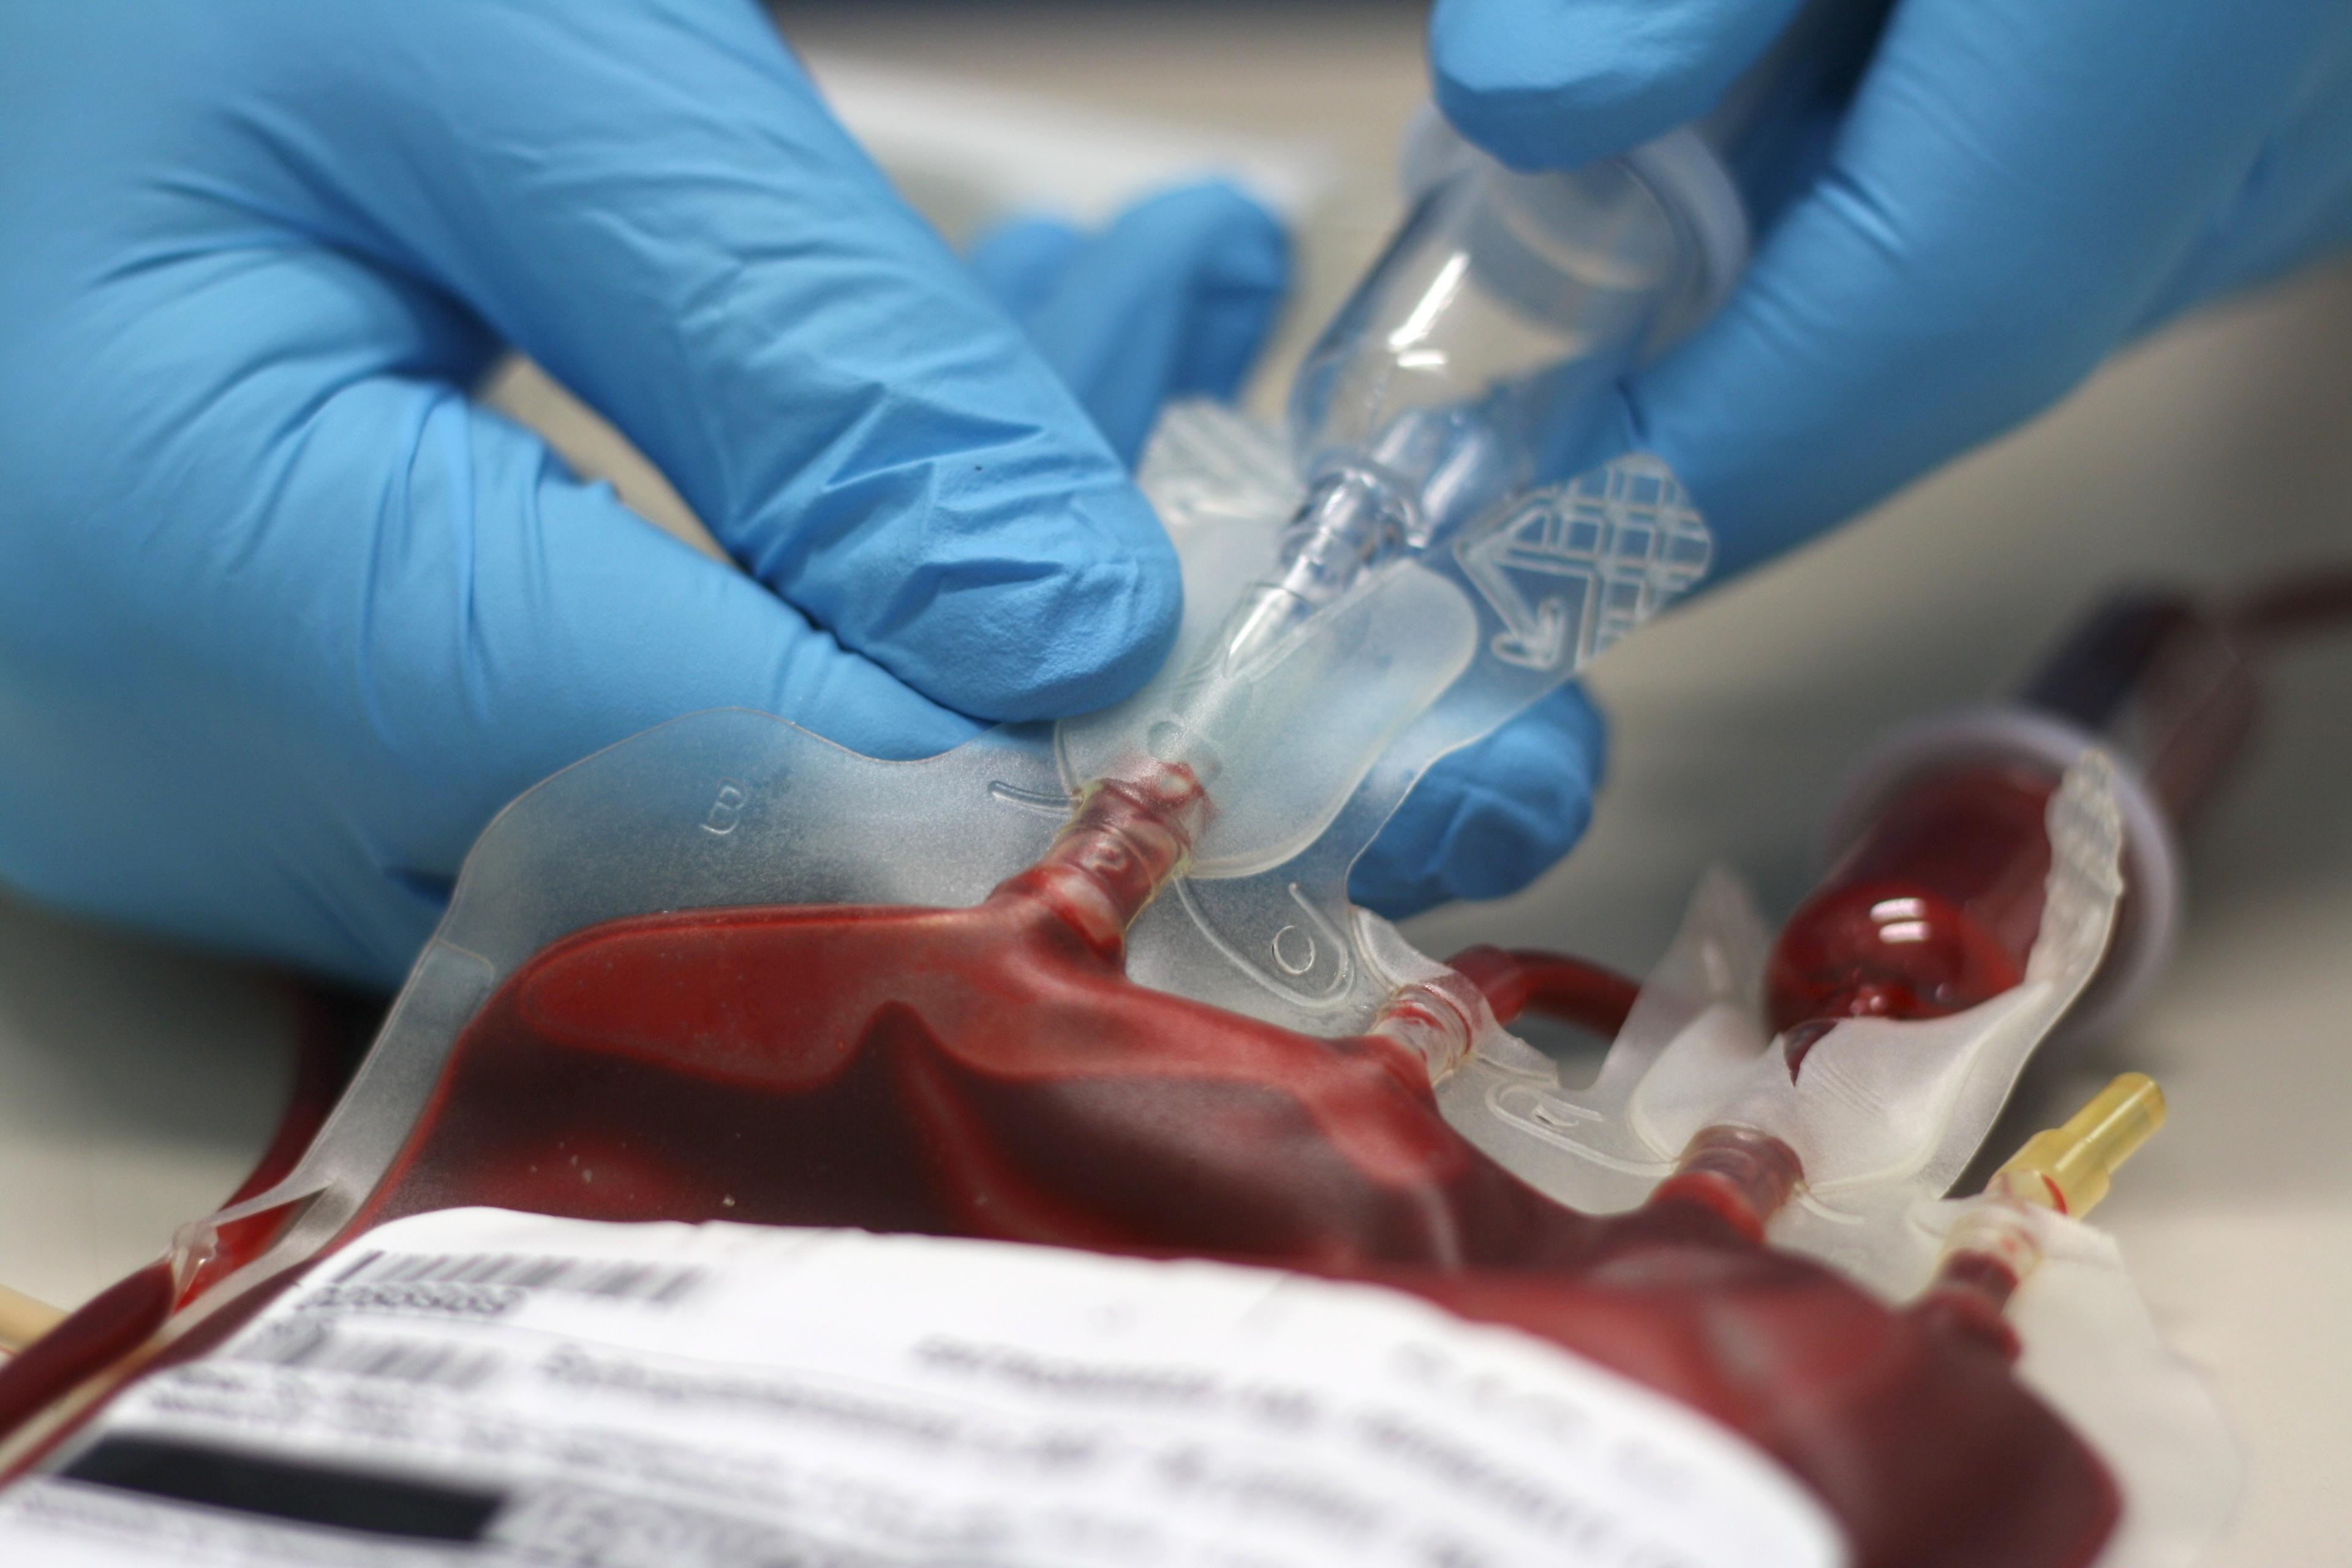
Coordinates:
x,y
284,618
1483,821
2014,188
1174,299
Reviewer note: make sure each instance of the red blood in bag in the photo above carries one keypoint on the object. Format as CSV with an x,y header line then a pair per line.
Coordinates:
x,y
991,1073
1933,909
1935,905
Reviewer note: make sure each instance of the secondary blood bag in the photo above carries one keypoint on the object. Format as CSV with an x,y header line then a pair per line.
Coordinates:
x,y
1101,991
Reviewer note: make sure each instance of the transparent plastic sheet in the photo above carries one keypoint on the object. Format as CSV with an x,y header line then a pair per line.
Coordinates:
x,y
733,808
1392,586
736,809
1886,1116
1887,1112
1405,612
1424,658
2093,1350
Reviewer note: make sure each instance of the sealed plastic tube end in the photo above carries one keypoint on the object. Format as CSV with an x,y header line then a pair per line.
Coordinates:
x,y
1741,1174
1127,840
1439,1020
1992,1246
2070,1168
23,1319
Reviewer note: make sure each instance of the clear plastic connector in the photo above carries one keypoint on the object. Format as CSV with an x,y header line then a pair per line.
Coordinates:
x,y
1474,361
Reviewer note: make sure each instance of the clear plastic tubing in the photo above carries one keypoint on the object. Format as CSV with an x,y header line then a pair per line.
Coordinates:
x,y
1476,359
1477,356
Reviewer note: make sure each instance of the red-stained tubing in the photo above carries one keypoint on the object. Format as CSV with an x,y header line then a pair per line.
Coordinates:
x,y
1552,984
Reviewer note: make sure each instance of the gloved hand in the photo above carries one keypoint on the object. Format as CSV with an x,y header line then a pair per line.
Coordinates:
x,y
284,618
2013,189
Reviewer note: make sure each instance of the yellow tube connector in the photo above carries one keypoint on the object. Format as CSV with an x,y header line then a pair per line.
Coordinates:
x,y
1994,1244
2070,1168
23,1319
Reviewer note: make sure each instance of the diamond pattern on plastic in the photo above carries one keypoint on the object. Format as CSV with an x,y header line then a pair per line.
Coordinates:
x,y
1576,566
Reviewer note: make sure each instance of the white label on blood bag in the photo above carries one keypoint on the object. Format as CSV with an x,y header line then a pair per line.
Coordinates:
x,y
483,1387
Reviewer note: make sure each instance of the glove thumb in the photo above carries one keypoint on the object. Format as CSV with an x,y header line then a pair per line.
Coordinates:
x,y
1551,84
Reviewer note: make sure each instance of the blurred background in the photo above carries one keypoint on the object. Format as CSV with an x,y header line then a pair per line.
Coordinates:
x,y
138,1084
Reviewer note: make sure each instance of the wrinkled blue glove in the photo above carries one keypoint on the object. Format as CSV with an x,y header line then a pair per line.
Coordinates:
x,y
2013,189
284,618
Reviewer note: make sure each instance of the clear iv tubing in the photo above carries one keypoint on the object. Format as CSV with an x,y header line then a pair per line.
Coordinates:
x,y
1477,356
1475,360
1994,1245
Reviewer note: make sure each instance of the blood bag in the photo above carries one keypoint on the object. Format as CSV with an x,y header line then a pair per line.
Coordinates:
x,y
727,1017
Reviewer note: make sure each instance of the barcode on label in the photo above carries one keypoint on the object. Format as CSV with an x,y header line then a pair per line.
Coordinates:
x,y
313,1347
613,1278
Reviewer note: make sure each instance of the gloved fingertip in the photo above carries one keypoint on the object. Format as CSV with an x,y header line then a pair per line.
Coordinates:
x,y
1542,85
1533,89
1582,732
1109,626
1499,842
1029,641
1239,283
1398,876
1477,843
1020,261
1219,226
1174,299
1487,820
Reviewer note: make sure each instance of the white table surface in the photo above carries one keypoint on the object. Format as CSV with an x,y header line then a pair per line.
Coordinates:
x,y
137,1083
